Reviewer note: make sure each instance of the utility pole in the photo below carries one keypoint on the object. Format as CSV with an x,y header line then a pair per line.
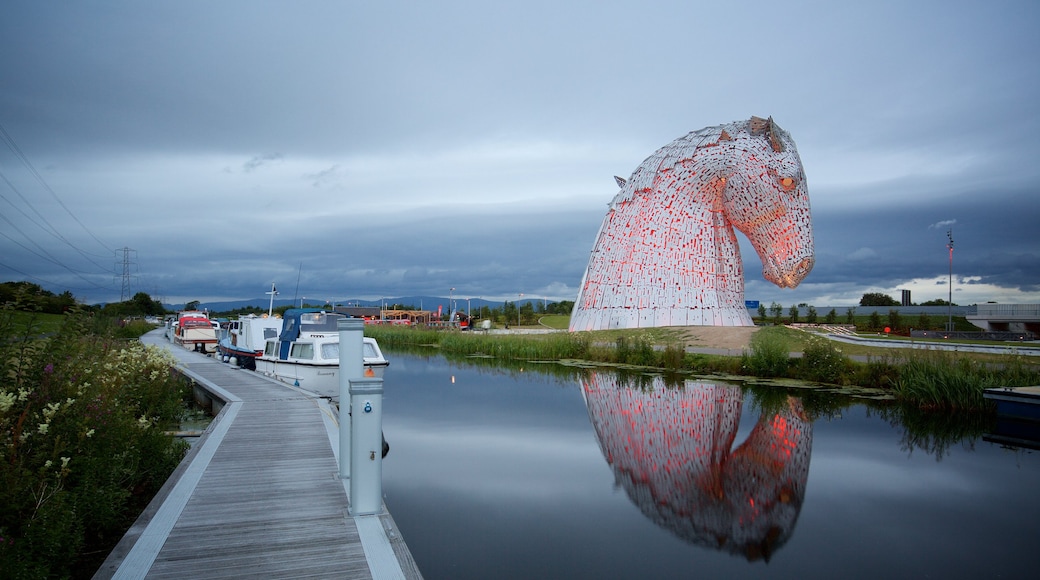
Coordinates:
x,y
949,304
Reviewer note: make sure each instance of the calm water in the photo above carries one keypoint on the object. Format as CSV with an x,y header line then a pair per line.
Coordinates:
x,y
496,473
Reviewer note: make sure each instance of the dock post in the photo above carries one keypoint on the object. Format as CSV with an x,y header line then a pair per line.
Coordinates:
x,y
351,366
366,457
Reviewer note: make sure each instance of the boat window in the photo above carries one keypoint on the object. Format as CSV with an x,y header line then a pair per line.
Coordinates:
x,y
303,350
330,350
271,348
369,351
270,333
312,317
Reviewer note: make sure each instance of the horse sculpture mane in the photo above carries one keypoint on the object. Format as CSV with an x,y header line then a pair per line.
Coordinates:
x,y
667,253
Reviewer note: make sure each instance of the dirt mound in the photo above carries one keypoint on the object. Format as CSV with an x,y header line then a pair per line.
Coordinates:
x,y
718,337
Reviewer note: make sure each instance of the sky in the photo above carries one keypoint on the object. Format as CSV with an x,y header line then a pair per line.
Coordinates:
x,y
362,150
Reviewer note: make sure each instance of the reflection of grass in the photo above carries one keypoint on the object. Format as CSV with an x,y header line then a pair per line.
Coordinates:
x,y
936,433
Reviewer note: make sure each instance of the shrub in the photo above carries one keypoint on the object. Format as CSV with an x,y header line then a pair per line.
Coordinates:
x,y
769,354
82,443
822,361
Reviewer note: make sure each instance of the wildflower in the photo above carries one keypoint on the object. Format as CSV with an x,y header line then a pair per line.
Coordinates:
x,y
49,368
90,432
43,428
6,401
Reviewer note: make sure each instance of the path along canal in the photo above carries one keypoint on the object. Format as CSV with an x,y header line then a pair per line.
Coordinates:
x,y
508,473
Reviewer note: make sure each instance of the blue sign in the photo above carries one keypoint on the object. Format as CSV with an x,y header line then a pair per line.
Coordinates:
x,y
751,304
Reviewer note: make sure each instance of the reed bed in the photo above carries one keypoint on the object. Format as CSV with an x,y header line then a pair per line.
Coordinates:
x,y
924,379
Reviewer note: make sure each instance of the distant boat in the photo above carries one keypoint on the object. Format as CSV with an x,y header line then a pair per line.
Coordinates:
x,y
306,353
243,340
195,331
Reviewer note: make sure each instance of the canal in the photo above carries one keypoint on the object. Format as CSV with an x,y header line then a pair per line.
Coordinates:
x,y
518,473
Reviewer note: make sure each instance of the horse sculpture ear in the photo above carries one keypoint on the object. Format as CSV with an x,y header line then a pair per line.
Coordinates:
x,y
767,127
621,181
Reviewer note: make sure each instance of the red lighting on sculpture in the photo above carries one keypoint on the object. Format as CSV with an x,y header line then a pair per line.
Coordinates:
x,y
667,253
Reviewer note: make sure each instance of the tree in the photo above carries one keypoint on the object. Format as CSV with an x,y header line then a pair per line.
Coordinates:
x,y
777,312
810,316
894,320
793,313
937,302
877,299
761,311
193,305
875,321
924,322
831,317
850,316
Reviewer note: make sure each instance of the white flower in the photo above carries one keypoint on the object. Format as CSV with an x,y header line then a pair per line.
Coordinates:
x,y
7,401
43,428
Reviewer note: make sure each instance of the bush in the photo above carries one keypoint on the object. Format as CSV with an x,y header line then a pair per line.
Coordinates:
x,y
822,361
82,420
769,354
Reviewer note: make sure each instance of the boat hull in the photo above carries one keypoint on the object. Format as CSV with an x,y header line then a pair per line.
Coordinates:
x,y
322,379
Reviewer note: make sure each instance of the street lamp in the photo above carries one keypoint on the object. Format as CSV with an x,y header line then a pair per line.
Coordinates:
x,y
949,304
518,309
302,298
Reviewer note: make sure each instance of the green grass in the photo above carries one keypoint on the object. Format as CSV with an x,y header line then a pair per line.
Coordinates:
x,y
556,321
21,323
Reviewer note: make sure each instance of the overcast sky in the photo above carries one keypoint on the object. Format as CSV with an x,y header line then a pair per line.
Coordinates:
x,y
378,149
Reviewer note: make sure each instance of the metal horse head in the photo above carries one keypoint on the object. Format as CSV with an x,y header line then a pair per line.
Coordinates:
x,y
667,254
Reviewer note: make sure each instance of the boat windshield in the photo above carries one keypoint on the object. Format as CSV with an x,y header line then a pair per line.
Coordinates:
x,y
312,318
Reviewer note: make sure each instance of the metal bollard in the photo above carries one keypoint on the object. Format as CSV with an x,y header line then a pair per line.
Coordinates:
x,y
351,366
366,457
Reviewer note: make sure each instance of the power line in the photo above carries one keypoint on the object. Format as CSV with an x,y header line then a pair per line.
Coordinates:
x,y
10,142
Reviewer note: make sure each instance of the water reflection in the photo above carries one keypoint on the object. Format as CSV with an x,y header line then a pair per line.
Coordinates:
x,y
671,449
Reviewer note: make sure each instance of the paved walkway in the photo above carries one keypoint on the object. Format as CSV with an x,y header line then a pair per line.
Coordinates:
x,y
259,496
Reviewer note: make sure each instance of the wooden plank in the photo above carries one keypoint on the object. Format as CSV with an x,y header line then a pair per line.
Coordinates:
x,y
264,499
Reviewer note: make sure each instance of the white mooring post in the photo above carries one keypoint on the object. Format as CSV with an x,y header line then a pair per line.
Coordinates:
x,y
366,457
351,366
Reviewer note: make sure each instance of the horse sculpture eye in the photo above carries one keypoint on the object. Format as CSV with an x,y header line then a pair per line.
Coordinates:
x,y
787,183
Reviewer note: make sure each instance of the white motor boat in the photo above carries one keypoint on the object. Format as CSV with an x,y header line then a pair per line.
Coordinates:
x,y
306,353
244,339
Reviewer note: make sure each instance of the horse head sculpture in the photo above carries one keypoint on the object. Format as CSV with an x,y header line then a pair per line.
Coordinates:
x,y
672,450
667,254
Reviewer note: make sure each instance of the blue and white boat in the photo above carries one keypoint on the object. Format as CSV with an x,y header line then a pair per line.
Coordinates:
x,y
306,352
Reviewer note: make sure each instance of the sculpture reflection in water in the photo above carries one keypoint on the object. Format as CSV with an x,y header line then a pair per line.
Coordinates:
x,y
672,451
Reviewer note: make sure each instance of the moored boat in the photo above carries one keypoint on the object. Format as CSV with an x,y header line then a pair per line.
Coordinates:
x,y
243,340
306,353
194,331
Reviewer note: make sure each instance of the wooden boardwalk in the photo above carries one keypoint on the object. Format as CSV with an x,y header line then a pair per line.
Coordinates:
x,y
259,496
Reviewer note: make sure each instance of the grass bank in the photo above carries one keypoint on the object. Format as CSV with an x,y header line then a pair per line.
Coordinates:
x,y
925,379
